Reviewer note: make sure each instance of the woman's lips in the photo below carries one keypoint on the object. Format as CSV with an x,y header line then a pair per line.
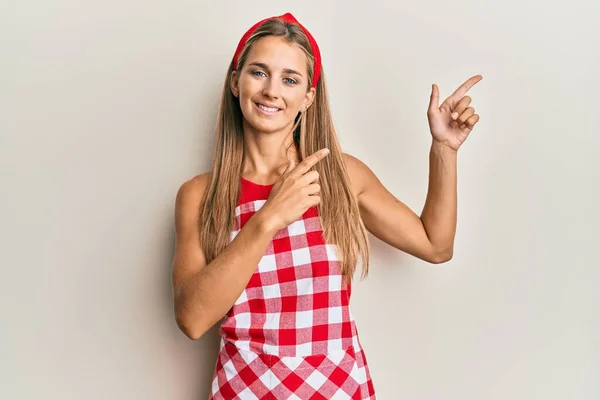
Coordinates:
x,y
266,112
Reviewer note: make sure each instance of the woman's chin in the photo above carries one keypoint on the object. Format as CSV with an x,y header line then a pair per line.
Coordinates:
x,y
266,126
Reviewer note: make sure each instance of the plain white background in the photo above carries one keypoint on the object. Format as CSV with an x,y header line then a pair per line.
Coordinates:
x,y
108,106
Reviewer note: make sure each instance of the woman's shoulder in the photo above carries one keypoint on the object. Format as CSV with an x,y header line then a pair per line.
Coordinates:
x,y
191,191
358,172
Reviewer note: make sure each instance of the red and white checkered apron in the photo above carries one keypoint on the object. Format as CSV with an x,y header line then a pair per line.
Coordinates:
x,y
290,335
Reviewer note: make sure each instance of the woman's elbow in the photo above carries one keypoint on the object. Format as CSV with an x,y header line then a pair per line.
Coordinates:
x,y
193,328
440,257
192,331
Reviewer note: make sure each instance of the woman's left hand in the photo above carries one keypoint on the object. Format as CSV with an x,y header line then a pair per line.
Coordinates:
x,y
452,121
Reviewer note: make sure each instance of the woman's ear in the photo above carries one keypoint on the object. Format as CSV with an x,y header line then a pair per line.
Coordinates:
x,y
309,98
234,84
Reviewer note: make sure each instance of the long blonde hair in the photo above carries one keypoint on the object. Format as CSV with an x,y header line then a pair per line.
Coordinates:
x,y
313,130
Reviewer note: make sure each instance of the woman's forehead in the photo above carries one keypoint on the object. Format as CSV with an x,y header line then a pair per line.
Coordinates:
x,y
278,54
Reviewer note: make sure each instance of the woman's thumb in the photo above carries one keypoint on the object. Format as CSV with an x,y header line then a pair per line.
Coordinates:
x,y
291,166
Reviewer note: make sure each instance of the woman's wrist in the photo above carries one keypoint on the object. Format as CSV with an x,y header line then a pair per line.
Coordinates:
x,y
263,223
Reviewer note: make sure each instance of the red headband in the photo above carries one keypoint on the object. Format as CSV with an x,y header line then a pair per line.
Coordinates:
x,y
289,18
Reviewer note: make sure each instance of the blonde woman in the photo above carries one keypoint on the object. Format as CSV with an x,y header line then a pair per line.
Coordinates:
x,y
268,241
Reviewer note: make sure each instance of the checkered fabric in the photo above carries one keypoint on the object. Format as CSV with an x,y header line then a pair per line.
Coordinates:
x,y
290,334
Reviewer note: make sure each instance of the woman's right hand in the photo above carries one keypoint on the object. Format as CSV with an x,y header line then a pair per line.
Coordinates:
x,y
295,192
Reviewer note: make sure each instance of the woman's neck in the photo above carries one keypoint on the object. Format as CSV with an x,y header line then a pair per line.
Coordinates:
x,y
266,156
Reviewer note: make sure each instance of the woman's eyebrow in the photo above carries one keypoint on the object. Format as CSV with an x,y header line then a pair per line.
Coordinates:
x,y
285,70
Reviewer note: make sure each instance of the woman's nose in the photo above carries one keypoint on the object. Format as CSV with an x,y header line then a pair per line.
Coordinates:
x,y
272,88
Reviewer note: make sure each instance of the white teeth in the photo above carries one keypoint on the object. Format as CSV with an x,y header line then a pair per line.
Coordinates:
x,y
268,109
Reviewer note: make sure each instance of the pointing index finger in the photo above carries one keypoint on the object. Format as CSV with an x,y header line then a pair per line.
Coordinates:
x,y
311,160
464,88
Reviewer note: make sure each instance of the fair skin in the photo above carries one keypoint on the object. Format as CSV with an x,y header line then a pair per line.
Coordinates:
x,y
275,75
267,79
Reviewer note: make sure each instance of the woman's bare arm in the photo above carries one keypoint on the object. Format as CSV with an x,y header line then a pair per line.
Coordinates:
x,y
204,293
429,237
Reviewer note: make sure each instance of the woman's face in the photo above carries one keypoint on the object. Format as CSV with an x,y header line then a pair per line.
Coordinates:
x,y
273,86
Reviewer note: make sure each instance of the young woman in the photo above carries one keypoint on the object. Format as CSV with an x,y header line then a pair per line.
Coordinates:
x,y
268,241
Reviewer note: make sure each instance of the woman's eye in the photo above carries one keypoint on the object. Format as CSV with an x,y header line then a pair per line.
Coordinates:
x,y
287,80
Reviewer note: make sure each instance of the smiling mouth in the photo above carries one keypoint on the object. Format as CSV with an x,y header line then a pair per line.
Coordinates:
x,y
267,110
